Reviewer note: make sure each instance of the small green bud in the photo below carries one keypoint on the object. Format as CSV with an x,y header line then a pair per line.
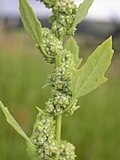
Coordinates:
x,y
51,45
67,151
62,18
43,137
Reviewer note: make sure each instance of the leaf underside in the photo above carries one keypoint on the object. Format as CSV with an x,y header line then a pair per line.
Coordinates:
x,y
72,46
91,75
30,22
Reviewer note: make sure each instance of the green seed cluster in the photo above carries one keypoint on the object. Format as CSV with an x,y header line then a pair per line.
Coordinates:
x,y
51,45
49,3
60,80
44,137
62,18
45,142
67,151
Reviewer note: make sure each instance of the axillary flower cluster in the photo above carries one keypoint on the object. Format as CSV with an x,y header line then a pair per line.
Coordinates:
x,y
48,147
68,81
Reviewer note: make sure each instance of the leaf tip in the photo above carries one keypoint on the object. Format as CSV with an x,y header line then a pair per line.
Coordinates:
x,y
105,79
109,40
71,38
1,105
108,44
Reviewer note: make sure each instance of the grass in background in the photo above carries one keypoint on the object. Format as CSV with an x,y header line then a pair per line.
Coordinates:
x,y
94,129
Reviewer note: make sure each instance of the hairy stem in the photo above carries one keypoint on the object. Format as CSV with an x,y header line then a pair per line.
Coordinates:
x,y
58,131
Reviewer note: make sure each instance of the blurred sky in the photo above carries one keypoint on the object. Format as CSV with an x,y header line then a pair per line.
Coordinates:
x,y
101,10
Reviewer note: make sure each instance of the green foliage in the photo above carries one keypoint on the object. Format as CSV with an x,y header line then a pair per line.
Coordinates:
x,y
18,129
82,11
72,46
95,126
31,152
68,82
30,21
91,75
14,124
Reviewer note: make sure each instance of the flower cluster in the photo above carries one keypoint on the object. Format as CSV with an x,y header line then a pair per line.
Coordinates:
x,y
67,151
51,45
71,109
49,3
62,18
45,142
43,137
60,80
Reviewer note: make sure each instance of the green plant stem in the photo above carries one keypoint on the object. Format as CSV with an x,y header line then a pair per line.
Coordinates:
x,y
58,132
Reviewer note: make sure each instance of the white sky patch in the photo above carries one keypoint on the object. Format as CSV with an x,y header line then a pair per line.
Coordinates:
x,y
105,10
101,10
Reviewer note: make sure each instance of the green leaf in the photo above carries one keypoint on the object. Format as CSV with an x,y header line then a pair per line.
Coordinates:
x,y
82,11
91,75
72,46
14,124
31,153
30,21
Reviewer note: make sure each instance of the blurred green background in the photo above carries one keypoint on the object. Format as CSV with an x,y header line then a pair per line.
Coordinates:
x,y
94,129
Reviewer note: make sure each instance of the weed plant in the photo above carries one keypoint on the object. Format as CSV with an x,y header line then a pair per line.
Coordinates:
x,y
69,80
